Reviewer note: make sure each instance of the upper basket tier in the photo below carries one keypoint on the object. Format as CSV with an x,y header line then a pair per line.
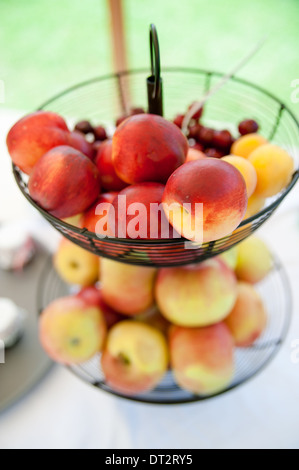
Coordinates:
x,y
103,99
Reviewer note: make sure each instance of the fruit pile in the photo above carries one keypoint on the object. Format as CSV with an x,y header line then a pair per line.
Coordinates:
x,y
146,321
149,161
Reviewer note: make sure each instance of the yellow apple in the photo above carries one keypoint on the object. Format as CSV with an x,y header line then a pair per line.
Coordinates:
x,y
71,331
126,288
196,295
76,265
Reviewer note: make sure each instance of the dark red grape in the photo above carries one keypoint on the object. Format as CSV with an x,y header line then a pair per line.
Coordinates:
x,y
248,126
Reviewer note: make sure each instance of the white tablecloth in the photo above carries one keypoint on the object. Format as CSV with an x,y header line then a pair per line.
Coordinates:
x,y
62,412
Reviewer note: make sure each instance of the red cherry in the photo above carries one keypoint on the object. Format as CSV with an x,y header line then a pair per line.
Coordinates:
x,y
197,146
205,136
178,120
194,131
214,153
121,119
222,140
248,126
100,133
84,126
135,111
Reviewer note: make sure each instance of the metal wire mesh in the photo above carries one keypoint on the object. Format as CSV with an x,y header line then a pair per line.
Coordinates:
x,y
104,98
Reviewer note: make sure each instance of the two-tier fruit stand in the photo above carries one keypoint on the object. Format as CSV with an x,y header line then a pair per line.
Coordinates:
x,y
104,98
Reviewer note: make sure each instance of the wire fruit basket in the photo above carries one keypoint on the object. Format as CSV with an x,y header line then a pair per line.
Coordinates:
x,y
276,295
102,99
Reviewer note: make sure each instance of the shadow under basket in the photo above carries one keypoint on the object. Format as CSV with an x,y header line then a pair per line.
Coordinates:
x,y
103,99
276,295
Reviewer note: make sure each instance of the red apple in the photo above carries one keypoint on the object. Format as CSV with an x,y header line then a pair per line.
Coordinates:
x,y
94,297
215,184
64,182
109,179
35,134
147,147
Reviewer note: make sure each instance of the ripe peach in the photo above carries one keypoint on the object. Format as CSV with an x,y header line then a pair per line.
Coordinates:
x,y
147,147
255,204
126,288
246,169
91,217
202,359
94,298
135,358
76,265
254,260
134,213
71,332
196,295
248,319
274,168
246,144
64,182
194,154
37,133
108,177
215,184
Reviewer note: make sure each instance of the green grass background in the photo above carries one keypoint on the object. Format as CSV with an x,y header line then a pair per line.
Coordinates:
x,y
47,45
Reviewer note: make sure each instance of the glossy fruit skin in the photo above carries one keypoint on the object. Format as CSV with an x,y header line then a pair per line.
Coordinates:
x,y
103,161
147,148
64,182
218,186
223,140
142,193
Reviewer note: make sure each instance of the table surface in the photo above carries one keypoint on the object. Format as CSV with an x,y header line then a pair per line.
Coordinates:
x,y
63,412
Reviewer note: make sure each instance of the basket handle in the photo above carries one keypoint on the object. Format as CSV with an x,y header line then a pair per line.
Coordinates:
x,y
154,82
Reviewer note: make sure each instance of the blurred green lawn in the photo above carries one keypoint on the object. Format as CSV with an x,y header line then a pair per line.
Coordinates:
x,y
46,45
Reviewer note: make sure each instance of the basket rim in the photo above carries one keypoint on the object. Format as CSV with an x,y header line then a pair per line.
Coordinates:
x,y
156,242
